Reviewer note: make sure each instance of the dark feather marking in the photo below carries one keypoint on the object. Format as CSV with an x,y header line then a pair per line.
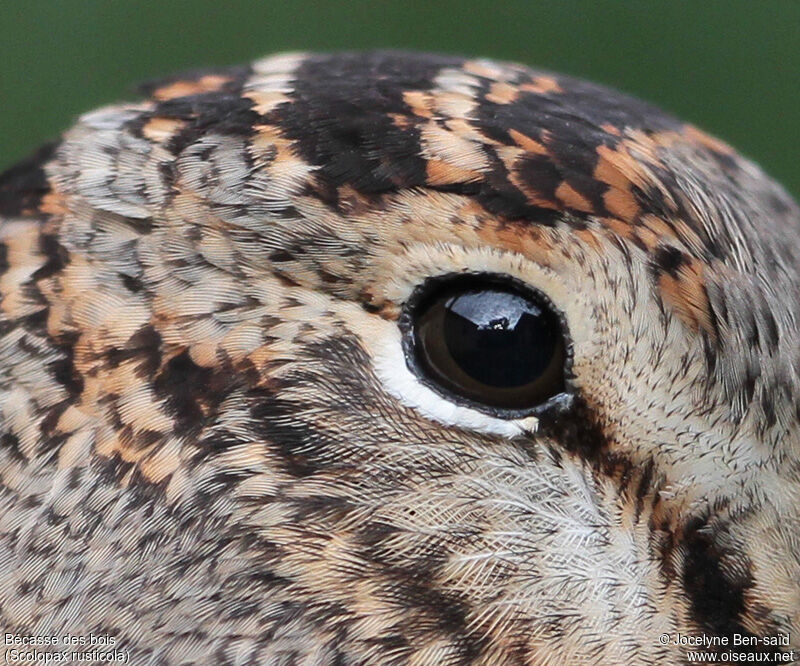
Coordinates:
x,y
193,393
569,123
56,256
64,369
576,430
131,282
715,588
144,346
222,112
668,259
24,184
447,611
339,118
303,449
541,174
717,597
10,442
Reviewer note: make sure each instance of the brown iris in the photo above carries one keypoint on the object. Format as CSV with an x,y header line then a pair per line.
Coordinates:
x,y
491,341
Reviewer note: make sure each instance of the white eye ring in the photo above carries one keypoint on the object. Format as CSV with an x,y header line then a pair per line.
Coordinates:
x,y
392,370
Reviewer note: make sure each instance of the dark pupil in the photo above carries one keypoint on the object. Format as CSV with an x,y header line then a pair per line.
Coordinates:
x,y
498,338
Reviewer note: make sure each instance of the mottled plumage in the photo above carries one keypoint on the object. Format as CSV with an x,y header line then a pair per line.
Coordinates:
x,y
212,448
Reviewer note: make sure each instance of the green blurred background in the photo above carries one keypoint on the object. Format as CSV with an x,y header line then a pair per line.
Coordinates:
x,y
730,67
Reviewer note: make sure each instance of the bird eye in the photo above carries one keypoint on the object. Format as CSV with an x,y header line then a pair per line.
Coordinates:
x,y
487,340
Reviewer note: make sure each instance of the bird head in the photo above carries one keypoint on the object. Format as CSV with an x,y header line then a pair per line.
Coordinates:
x,y
399,358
